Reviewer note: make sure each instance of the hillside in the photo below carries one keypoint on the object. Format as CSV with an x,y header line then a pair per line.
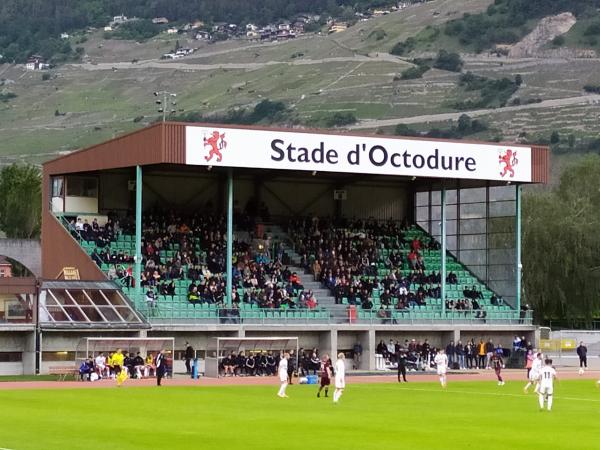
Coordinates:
x,y
314,75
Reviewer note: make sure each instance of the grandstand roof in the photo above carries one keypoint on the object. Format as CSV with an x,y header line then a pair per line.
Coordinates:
x,y
293,149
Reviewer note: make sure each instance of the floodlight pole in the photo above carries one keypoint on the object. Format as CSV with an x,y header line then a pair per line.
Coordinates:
x,y
229,268
443,253
518,247
138,234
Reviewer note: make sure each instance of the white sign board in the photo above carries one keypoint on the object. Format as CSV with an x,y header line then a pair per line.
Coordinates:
x,y
379,155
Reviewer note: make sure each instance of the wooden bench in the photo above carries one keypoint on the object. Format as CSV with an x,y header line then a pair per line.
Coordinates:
x,y
63,372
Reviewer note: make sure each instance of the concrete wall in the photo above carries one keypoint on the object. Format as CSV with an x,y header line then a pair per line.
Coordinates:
x,y
326,339
26,251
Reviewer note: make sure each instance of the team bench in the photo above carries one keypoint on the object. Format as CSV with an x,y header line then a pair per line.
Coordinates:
x,y
63,372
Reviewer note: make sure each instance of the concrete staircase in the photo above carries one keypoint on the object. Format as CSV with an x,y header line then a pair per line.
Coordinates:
x,y
339,313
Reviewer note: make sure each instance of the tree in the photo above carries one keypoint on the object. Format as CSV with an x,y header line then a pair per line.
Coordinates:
x,y
554,137
20,201
561,245
464,124
518,79
448,61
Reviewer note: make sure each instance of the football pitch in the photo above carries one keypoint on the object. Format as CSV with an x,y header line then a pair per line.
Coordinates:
x,y
467,415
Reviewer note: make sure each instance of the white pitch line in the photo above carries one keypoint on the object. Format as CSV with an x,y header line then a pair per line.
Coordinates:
x,y
495,394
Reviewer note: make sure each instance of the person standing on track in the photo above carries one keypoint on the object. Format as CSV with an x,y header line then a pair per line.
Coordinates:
x,y
582,353
283,375
161,366
340,377
189,355
325,375
441,362
402,365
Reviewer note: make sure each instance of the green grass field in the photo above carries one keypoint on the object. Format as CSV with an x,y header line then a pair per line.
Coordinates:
x,y
468,415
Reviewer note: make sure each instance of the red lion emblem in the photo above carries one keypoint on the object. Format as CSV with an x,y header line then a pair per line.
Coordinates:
x,y
216,143
509,159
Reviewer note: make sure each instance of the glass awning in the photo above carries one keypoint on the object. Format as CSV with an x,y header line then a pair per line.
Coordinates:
x,y
93,304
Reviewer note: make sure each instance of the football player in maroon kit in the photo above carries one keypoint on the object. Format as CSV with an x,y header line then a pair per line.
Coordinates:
x,y
326,372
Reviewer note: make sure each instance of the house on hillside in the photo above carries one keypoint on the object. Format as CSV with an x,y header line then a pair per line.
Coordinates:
x,y
36,62
184,51
172,31
119,20
5,268
197,24
108,28
202,35
64,35
251,27
284,26
298,27
252,34
160,21
338,27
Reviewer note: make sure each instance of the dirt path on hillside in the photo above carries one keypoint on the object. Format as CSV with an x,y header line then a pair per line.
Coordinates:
x,y
554,103
378,57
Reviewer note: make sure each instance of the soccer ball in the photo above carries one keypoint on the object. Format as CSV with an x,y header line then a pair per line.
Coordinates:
x,y
581,371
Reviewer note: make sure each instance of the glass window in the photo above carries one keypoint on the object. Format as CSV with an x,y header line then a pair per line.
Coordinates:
x,y
422,198
11,357
82,187
472,210
502,193
474,195
57,186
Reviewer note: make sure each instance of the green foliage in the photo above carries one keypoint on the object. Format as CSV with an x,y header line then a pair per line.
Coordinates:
x,y
137,30
592,29
340,119
448,61
402,48
561,245
507,21
265,112
414,72
33,26
46,76
6,96
421,66
20,201
378,34
558,41
464,127
491,93
592,88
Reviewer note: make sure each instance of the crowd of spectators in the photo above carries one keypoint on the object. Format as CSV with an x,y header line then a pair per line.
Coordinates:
x,y
345,257
196,248
108,366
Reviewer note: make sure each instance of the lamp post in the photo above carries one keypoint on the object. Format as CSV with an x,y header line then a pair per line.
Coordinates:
x,y
165,100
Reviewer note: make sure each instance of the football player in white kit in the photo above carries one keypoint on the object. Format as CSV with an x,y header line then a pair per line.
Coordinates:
x,y
282,371
546,389
441,362
534,373
340,377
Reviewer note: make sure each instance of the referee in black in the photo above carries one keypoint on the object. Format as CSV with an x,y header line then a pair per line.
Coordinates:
x,y
161,366
402,365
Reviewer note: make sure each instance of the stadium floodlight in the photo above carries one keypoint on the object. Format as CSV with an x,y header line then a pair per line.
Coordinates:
x,y
166,102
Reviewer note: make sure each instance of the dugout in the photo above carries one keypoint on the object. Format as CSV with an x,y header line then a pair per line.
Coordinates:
x,y
466,194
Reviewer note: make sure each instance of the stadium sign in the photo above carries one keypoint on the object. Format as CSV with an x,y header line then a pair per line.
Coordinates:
x,y
286,150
